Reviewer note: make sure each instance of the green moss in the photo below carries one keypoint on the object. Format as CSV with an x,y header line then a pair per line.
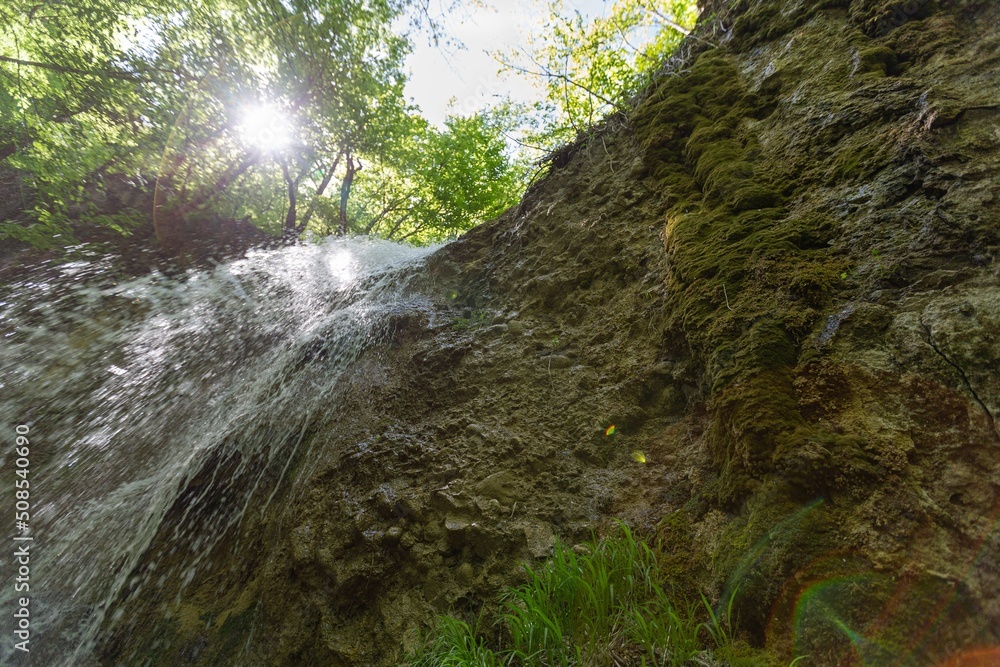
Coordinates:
x,y
746,287
234,631
471,319
878,18
750,415
750,279
721,161
753,197
706,135
815,461
916,41
878,59
742,654
859,158
810,231
763,21
678,560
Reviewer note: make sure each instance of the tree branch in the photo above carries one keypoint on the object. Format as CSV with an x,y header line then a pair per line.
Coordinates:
x,y
546,72
669,22
293,187
222,183
399,223
392,206
408,235
327,177
108,74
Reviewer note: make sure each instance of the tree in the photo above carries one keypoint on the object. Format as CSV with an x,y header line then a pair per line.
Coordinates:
x,y
341,68
591,68
432,184
68,100
157,95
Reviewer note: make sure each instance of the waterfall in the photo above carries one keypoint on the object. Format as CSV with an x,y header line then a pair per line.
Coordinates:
x,y
154,400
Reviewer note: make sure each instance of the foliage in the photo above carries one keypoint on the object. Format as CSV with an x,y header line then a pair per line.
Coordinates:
x,y
100,97
73,110
434,184
591,68
603,604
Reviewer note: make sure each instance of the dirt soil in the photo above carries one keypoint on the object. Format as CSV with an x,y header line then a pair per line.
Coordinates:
x,y
776,279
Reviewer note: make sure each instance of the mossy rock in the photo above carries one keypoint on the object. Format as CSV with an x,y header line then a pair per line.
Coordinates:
x,y
878,18
878,59
753,197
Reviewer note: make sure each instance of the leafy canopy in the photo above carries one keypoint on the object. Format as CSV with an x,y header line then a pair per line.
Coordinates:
x,y
289,113
112,112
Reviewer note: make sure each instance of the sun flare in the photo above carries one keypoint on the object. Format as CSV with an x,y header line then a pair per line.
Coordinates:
x,y
266,127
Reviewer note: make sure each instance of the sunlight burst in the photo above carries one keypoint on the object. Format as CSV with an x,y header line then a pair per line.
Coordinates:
x,y
265,127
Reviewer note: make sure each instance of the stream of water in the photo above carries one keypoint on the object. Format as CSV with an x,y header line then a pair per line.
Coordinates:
x,y
126,389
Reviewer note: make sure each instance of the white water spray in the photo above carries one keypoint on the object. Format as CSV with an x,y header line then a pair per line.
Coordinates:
x,y
133,390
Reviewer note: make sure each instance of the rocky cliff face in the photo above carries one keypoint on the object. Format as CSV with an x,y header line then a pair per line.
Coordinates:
x,y
776,277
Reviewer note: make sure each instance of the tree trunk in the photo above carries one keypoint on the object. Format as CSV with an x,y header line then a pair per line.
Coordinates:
x,y
293,187
327,177
345,190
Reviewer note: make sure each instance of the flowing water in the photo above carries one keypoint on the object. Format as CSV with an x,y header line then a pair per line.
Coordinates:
x,y
129,392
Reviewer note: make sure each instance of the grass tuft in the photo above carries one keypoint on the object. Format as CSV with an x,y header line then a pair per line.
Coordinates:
x,y
604,605
455,644
720,626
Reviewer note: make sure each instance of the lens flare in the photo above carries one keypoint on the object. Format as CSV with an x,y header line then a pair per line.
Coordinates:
x,y
983,657
265,127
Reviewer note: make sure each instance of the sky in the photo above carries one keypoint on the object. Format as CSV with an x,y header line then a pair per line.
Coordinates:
x,y
469,76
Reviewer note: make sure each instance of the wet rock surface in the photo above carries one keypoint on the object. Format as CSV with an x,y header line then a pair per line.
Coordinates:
x,y
775,277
